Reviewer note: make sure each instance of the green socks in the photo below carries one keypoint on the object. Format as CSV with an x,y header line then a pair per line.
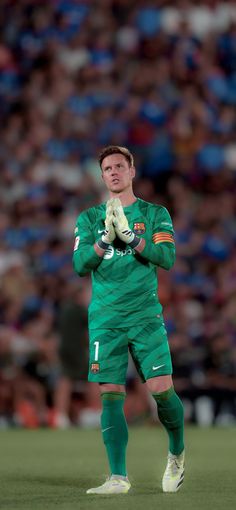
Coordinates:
x,y
115,431
171,415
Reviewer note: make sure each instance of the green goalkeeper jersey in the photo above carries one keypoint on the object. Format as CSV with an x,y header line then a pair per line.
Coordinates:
x,y
124,282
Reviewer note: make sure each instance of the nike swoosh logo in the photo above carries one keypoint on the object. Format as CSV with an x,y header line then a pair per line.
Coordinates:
x,y
159,366
100,231
104,430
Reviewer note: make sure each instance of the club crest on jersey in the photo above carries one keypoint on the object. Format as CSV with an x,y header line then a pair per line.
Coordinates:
x,y
139,228
94,368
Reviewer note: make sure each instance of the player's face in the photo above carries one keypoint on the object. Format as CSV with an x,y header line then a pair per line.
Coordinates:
x,y
117,174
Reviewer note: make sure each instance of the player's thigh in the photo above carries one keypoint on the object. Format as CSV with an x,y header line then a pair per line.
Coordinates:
x,y
149,348
108,355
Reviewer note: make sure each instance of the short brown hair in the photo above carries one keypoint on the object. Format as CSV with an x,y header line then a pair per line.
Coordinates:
x,y
116,149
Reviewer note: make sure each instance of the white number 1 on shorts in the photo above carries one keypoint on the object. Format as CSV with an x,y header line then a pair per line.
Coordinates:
x,y
96,351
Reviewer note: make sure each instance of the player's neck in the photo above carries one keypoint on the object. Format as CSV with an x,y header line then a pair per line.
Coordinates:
x,y
126,197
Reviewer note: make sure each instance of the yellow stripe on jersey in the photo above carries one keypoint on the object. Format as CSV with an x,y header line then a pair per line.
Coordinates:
x,y
162,237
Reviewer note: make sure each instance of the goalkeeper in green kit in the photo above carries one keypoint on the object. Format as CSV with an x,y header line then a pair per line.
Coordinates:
x,y
121,243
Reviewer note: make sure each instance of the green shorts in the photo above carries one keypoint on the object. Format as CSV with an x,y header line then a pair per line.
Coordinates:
x,y
109,349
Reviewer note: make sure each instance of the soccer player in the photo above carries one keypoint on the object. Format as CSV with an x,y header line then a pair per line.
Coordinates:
x,y
121,243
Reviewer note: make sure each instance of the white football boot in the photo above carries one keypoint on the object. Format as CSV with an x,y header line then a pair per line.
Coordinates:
x,y
174,473
113,485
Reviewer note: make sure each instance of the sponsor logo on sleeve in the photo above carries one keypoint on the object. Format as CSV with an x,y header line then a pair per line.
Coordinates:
x,y
167,224
76,245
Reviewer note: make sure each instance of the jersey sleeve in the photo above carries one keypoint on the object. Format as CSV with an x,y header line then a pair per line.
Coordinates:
x,y
160,251
85,259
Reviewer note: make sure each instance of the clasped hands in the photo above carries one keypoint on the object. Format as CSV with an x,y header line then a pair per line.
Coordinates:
x,y
116,223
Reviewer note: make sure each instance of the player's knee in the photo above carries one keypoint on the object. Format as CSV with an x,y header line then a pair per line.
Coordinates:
x,y
106,387
159,384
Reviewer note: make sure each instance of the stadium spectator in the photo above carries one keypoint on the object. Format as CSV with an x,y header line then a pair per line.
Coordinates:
x,y
74,401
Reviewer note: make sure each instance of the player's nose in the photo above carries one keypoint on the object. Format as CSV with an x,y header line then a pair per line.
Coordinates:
x,y
114,171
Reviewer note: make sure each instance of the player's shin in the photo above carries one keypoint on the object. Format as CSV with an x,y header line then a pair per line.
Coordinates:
x,y
115,431
171,415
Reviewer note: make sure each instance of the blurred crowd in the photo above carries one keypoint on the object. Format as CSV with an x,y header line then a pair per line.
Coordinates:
x,y
160,78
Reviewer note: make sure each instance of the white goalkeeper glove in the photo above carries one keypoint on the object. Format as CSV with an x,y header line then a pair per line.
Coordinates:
x,y
121,225
109,233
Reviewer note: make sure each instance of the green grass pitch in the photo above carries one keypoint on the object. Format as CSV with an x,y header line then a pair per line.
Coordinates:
x,y
47,470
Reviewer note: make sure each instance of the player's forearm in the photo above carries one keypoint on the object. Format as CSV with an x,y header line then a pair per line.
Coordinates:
x,y
87,259
162,255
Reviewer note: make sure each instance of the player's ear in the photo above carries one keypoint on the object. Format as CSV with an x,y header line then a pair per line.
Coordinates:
x,y
132,171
